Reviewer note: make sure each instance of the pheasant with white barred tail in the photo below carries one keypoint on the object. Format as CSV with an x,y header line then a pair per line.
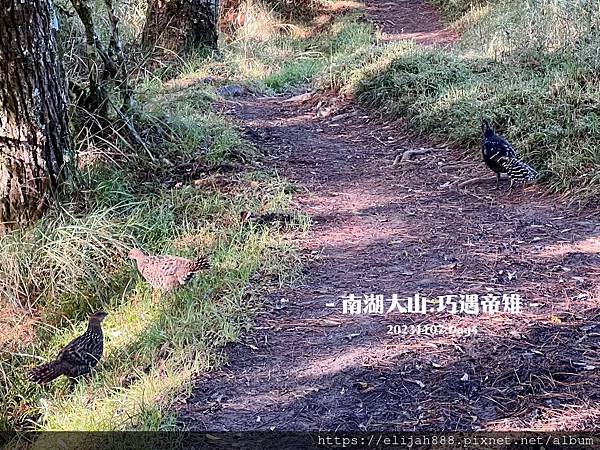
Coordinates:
x,y
501,157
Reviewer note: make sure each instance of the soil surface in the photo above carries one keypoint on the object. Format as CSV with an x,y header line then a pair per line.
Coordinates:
x,y
409,19
403,230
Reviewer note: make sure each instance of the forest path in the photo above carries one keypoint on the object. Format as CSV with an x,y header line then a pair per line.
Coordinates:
x,y
403,230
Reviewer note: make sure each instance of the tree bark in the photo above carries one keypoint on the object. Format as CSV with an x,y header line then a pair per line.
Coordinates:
x,y
179,26
34,133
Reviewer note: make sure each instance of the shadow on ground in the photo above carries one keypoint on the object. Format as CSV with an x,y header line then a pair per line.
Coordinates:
x,y
383,230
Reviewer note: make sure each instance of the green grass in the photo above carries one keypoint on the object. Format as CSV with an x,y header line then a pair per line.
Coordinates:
x,y
166,199
74,262
531,67
454,9
532,70
272,55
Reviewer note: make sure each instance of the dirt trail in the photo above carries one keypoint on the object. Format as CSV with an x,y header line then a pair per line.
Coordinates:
x,y
382,230
409,19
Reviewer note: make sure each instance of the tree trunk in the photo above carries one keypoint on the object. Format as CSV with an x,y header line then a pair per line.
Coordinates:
x,y
179,26
34,134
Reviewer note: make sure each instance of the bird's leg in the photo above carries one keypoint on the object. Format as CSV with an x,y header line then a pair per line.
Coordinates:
x,y
497,182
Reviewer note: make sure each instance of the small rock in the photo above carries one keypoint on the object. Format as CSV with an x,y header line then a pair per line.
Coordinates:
x,y
232,90
324,112
425,282
281,303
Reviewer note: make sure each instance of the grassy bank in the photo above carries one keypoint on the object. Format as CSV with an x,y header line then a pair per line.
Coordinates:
x,y
184,194
74,262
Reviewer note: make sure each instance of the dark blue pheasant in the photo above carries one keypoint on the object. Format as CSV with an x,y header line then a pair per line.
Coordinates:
x,y
501,157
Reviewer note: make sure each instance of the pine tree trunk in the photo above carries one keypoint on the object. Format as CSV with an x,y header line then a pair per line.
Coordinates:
x,y
179,26
34,134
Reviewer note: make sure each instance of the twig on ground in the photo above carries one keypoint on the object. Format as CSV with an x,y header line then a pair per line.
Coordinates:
x,y
408,154
476,180
385,144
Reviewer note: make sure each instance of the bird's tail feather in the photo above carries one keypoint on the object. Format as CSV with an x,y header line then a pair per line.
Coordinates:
x,y
200,264
45,373
517,170
196,266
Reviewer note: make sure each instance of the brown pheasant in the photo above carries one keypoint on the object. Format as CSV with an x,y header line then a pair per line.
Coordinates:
x,y
167,272
78,357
